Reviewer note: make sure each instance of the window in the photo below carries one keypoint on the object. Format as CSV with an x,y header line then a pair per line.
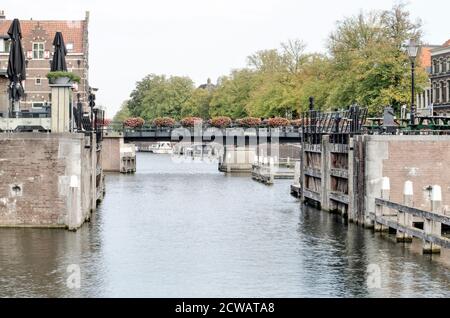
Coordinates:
x,y
4,46
448,91
443,92
436,93
38,105
38,51
38,81
69,46
436,67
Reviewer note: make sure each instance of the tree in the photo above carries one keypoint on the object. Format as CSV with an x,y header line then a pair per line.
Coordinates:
x,y
294,55
159,96
198,104
370,65
232,94
123,113
366,64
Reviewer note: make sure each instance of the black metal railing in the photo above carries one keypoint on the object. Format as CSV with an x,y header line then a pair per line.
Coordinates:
x,y
44,113
339,125
120,127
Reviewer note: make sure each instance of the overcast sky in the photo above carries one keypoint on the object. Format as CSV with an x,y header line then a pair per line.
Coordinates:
x,y
202,38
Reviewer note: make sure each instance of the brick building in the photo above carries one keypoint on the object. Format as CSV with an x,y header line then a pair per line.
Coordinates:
x,y
424,99
37,41
440,79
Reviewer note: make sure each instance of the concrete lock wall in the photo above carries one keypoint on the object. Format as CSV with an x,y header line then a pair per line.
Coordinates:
x,y
46,180
116,155
111,153
420,159
237,159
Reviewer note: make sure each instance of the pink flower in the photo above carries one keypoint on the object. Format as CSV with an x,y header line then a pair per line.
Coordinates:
x,y
220,122
191,121
278,122
164,122
134,122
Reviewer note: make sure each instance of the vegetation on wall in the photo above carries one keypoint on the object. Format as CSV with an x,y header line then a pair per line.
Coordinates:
x,y
52,76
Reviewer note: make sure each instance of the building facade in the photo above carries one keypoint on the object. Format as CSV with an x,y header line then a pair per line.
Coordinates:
x,y
440,79
37,41
424,99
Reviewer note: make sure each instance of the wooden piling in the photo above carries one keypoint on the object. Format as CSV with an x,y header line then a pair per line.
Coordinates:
x,y
405,219
432,227
381,211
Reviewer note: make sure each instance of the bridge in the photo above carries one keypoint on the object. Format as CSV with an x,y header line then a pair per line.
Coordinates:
x,y
210,134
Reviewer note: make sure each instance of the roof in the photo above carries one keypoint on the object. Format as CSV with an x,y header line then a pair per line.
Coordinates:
x,y
73,31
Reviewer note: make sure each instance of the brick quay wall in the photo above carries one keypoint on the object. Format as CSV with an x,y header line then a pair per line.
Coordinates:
x,y
46,180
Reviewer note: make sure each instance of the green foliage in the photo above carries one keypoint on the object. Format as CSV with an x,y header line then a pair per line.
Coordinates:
x,y
52,76
370,67
366,64
198,104
232,94
159,96
122,114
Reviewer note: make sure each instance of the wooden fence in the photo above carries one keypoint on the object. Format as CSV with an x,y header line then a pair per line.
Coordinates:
x,y
406,219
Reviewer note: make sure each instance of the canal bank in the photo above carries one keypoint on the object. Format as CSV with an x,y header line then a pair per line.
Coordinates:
x,y
186,230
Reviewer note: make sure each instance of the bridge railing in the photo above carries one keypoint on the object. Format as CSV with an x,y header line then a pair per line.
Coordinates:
x,y
154,132
150,128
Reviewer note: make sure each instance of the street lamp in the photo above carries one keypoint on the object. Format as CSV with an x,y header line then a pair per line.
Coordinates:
x,y
413,50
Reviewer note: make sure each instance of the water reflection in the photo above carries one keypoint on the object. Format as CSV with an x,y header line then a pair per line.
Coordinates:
x,y
186,230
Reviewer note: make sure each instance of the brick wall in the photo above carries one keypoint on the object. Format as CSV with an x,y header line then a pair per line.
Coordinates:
x,y
43,180
424,160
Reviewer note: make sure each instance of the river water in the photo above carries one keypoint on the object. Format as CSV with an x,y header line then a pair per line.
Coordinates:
x,y
185,230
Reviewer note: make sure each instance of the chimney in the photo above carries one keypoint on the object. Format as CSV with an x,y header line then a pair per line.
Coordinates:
x,y
2,15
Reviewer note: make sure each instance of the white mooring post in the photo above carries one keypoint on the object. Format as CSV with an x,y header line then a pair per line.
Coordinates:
x,y
381,211
406,219
432,227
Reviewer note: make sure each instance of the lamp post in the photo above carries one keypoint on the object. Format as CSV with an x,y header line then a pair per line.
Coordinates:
x,y
413,49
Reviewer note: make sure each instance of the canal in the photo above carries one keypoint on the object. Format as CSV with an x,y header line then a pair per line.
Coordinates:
x,y
186,230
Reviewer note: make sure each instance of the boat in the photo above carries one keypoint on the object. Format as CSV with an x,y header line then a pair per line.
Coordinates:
x,y
162,147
